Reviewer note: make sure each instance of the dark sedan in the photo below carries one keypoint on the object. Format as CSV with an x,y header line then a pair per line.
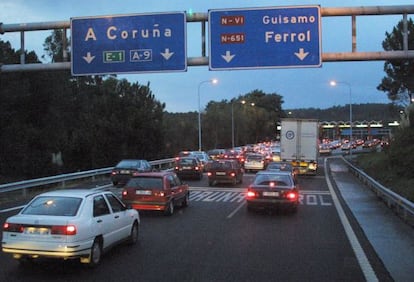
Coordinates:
x,y
125,169
188,167
225,171
273,189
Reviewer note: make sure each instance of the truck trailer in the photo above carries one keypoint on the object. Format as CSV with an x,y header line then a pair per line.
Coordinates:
x,y
299,142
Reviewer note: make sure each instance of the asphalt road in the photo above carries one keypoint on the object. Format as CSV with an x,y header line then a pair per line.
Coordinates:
x,y
216,239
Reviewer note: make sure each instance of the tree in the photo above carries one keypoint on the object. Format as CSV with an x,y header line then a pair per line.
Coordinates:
x,y
399,82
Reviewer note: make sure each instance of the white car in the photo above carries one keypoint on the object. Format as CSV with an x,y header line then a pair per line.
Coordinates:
x,y
254,162
70,224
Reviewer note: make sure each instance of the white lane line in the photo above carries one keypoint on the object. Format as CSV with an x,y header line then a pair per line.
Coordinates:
x,y
236,210
356,246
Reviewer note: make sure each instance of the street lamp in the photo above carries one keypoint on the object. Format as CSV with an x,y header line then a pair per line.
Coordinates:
x,y
213,81
334,83
232,120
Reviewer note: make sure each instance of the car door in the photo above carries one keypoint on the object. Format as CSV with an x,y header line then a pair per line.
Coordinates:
x,y
103,220
175,186
121,221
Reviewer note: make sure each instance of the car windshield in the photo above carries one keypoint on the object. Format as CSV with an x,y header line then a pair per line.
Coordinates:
x,y
146,183
57,206
272,179
128,164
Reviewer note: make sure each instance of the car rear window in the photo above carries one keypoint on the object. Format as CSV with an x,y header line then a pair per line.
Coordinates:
x,y
128,164
57,206
146,183
278,180
221,165
254,158
186,161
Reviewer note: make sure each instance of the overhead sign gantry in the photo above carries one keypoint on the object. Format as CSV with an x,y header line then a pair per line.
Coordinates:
x,y
129,44
271,37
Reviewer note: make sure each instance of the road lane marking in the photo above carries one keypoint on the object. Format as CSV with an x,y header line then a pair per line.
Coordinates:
x,y
356,246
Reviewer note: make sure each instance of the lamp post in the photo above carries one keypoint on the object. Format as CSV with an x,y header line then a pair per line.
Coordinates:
x,y
213,81
232,120
334,83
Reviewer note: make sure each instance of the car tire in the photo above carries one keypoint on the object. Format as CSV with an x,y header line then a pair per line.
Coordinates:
x,y
186,200
211,183
96,253
170,208
133,237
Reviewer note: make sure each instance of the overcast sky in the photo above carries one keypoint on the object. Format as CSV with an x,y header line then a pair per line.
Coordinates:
x,y
300,87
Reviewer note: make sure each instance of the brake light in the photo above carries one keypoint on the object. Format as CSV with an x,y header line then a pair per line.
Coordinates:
x,y
63,230
124,193
209,174
197,168
160,194
292,196
232,174
251,194
12,227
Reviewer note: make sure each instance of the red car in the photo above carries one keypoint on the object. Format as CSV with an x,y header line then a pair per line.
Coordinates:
x,y
158,191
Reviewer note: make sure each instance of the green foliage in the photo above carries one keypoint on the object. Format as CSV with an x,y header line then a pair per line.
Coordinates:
x,y
399,82
393,167
92,122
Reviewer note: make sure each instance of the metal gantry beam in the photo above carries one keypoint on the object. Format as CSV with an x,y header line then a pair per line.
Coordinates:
x,y
353,12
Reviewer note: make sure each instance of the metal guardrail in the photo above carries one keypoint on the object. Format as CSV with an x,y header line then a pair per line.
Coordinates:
x,y
400,205
64,178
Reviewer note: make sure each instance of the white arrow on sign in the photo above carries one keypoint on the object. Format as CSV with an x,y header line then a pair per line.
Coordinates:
x,y
228,57
88,58
302,54
167,54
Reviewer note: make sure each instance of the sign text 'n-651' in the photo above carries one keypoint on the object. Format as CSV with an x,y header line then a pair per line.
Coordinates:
x,y
129,44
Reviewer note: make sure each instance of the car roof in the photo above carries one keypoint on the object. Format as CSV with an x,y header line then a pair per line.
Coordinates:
x,y
280,172
154,174
82,193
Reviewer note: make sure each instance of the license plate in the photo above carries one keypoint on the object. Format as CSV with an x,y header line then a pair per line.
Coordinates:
x,y
124,171
220,173
143,192
37,231
186,167
271,194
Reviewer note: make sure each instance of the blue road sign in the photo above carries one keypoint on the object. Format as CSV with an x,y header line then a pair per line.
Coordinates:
x,y
129,44
272,37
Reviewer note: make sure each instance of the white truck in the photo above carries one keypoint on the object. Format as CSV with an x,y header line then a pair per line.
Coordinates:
x,y
299,142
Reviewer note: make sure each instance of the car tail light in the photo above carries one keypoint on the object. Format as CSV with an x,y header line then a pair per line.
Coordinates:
x,y
209,173
292,196
124,193
197,168
114,172
251,194
13,227
233,174
159,194
63,230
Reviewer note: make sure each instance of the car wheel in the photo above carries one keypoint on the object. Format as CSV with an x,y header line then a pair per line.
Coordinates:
x,y
211,183
186,200
114,183
96,253
133,237
170,208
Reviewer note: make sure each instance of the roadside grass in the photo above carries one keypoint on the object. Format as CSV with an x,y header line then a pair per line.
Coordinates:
x,y
377,165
